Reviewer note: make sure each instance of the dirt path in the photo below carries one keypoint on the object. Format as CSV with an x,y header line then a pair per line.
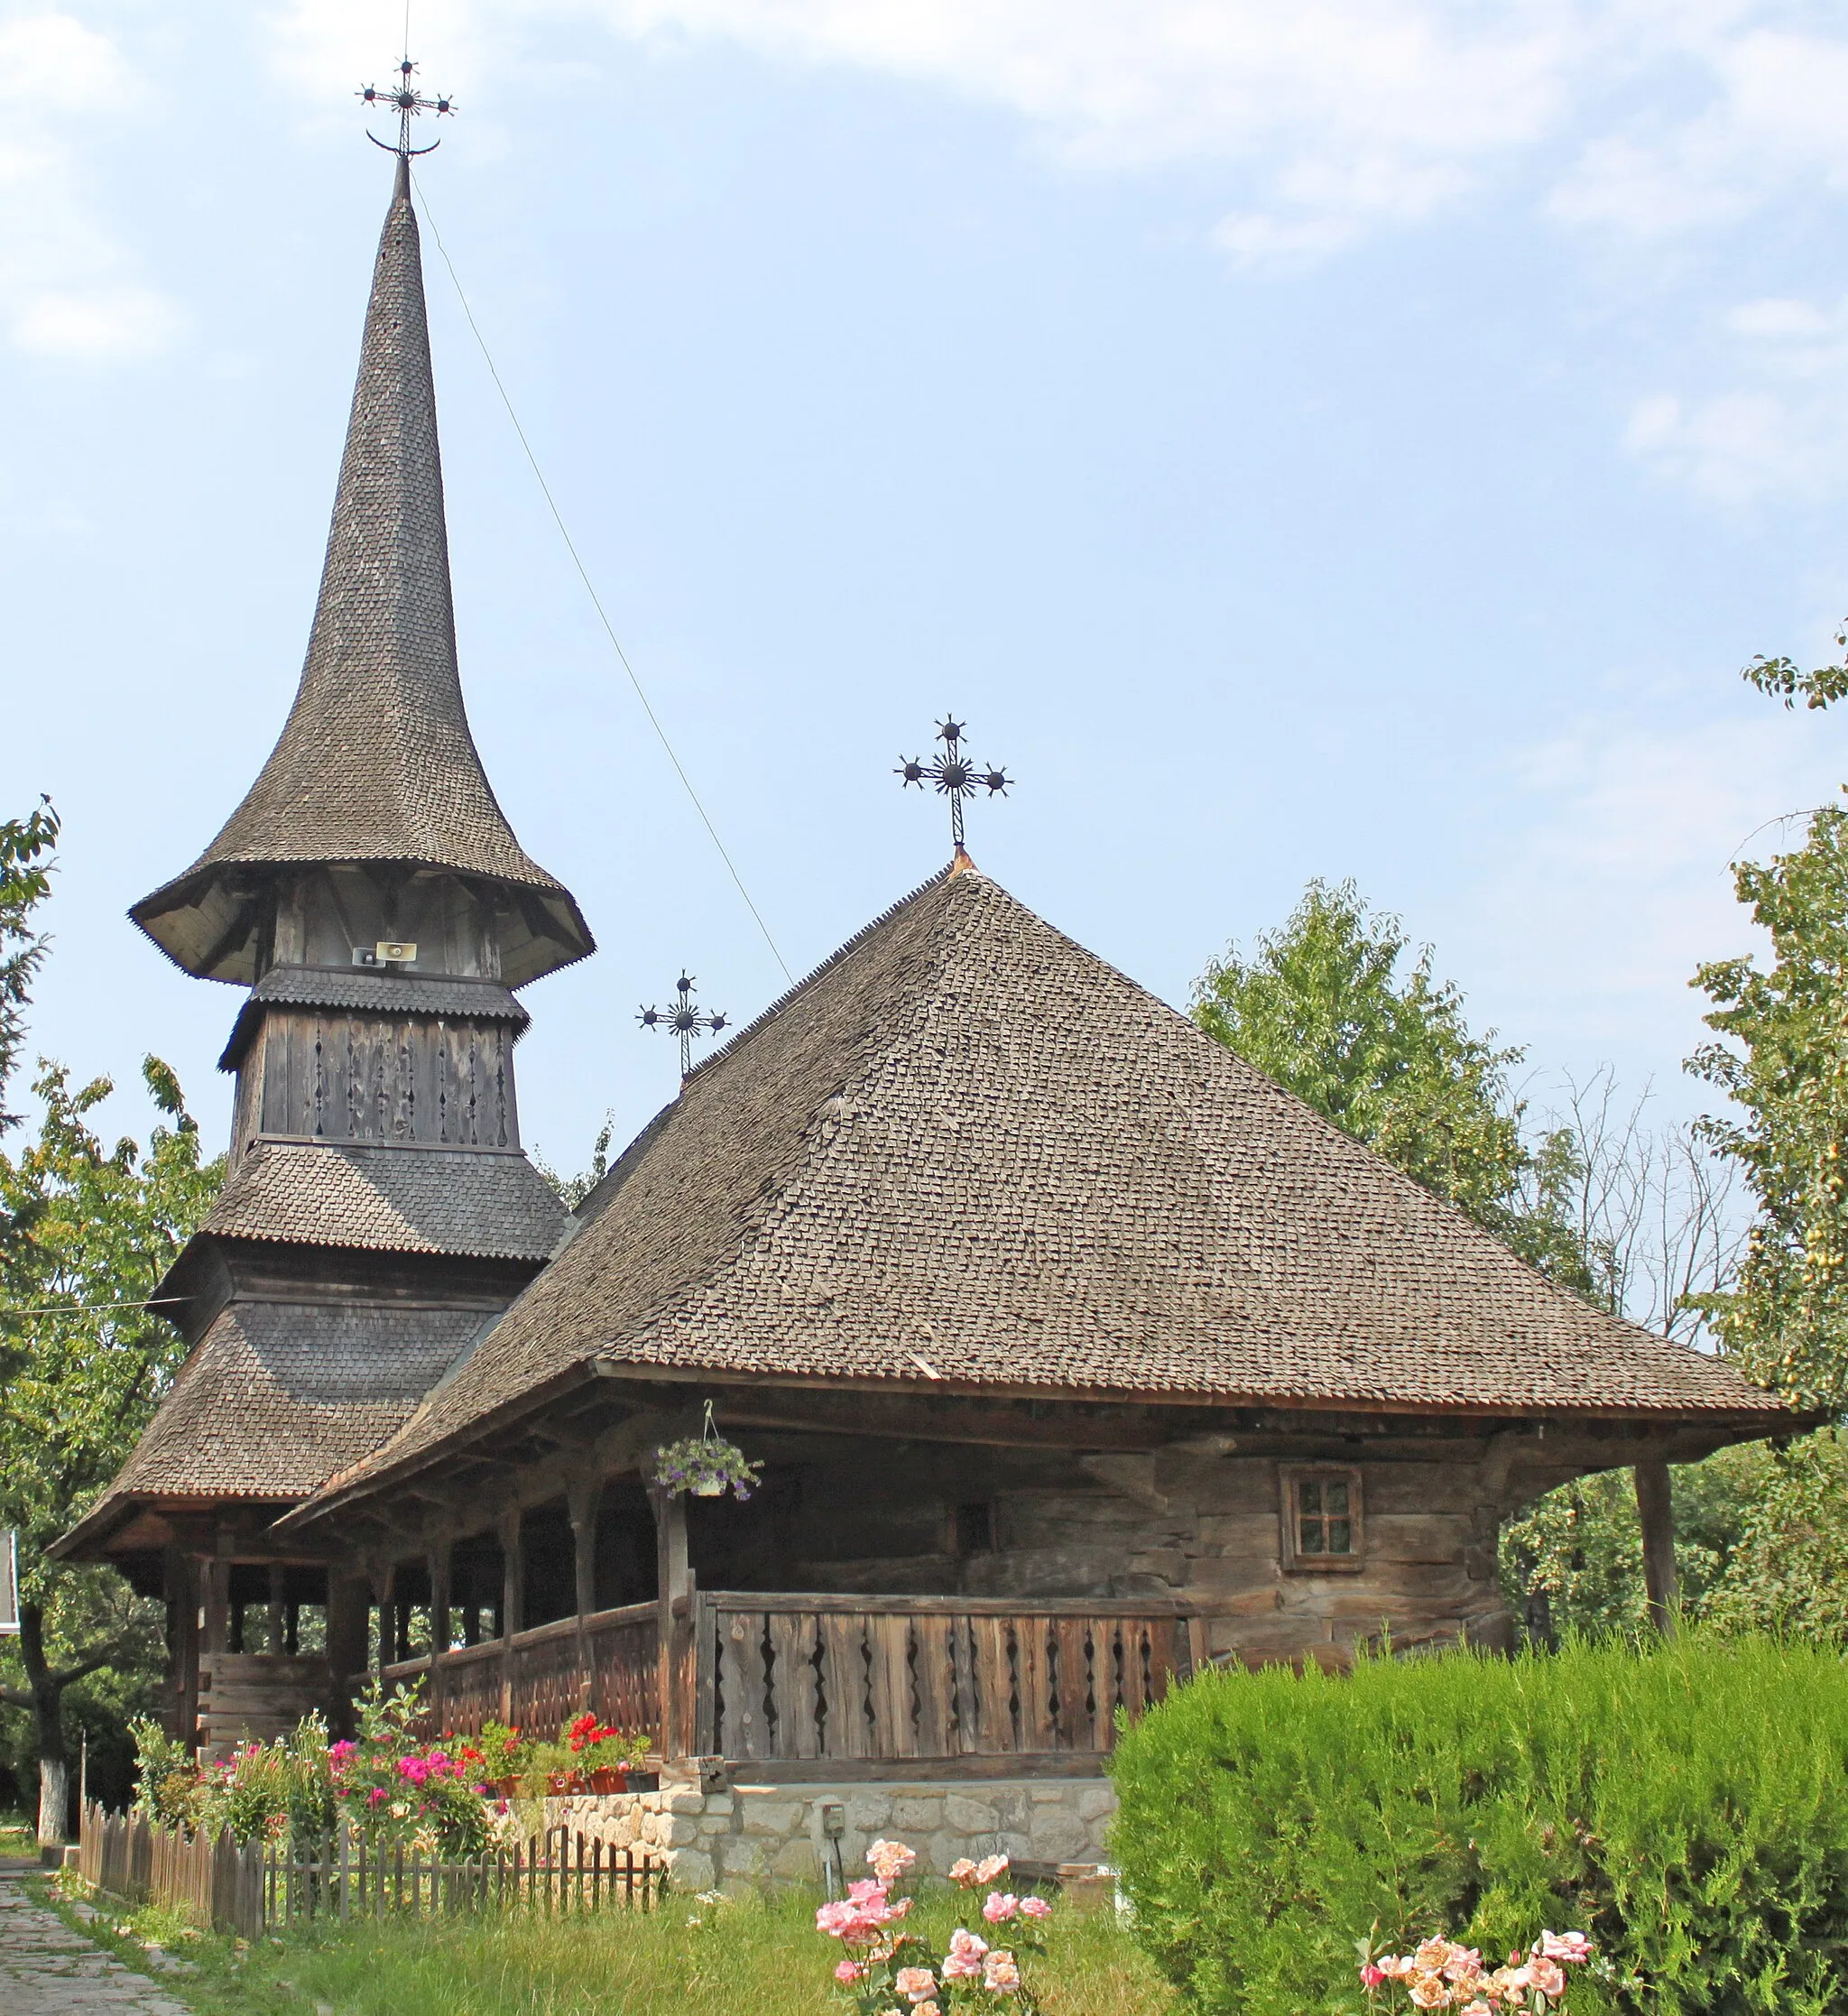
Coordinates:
x,y
46,1969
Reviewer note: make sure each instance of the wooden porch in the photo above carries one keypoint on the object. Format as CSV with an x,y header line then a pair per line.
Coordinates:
x,y
786,1687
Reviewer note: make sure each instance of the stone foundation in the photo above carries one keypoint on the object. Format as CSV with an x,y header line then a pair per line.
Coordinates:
x,y
757,1835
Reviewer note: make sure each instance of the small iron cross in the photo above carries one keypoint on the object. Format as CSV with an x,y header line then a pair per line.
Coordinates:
x,y
407,101
685,1019
953,773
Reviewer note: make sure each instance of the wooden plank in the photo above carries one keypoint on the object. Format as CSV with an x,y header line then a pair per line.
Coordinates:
x,y
844,1680
826,1603
994,1684
792,1675
967,1722
1075,1713
739,1728
894,1722
1030,1661
933,1684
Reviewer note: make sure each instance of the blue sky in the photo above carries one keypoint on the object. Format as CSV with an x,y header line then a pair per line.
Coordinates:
x,y
1364,440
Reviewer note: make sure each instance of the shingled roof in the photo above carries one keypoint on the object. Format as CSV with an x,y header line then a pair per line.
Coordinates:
x,y
484,1204
967,1153
375,762
275,1398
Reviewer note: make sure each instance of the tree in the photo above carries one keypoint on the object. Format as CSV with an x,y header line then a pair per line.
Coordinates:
x,y
1322,1007
573,1189
1633,1216
86,1233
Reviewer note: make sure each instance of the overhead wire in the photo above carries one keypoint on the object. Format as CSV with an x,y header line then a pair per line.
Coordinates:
x,y
590,589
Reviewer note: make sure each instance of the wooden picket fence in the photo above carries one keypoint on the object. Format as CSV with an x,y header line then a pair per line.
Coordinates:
x,y
253,1890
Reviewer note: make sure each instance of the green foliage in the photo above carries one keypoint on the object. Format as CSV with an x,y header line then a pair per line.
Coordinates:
x,y
1572,1562
573,1189
1783,1061
86,1231
25,870
1323,1007
1685,1806
1788,1568
1780,678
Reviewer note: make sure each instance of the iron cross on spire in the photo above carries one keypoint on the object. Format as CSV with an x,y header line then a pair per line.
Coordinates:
x,y
407,101
685,1020
953,773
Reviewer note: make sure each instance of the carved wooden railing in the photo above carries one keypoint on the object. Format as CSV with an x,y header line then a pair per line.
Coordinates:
x,y
549,1675
822,1685
836,1686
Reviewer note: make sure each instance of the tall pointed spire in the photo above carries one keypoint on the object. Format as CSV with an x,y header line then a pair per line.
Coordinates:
x,y
375,763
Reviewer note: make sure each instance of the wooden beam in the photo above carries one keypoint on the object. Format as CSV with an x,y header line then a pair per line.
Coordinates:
x,y
1655,1503
584,1496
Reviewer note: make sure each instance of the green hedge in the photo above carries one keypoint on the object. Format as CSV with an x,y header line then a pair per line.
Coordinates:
x,y
1687,1806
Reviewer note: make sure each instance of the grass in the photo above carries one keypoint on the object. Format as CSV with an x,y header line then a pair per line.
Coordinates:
x,y
19,1837
692,1959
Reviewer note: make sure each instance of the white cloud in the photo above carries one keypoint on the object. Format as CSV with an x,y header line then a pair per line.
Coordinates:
x,y
1334,116
1623,837
66,288
1784,430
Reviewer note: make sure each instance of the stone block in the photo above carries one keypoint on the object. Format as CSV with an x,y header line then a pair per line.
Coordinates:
x,y
796,1861
778,1816
690,1800
969,1816
1060,1836
719,1802
868,1811
915,1814
1095,1802
691,1870
683,1830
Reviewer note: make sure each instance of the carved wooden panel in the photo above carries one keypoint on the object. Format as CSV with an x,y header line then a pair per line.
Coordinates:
x,y
332,1075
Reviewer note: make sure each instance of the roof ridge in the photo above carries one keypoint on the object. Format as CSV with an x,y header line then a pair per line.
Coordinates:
x,y
838,956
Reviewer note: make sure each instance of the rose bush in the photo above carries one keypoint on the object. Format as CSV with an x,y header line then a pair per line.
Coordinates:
x,y
890,1970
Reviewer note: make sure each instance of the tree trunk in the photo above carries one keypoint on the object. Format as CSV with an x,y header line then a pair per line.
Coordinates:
x,y
48,1727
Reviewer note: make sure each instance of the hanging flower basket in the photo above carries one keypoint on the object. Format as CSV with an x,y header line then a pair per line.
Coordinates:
x,y
706,1465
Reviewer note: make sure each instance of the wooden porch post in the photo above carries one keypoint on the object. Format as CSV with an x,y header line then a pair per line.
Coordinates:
x,y
349,1602
182,1586
438,1622
673,1576
273,1620
384,1585
583,1500
513,1601
1654,1502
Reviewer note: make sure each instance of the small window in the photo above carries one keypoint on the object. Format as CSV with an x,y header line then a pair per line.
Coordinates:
x,y
975,1529
1322,1526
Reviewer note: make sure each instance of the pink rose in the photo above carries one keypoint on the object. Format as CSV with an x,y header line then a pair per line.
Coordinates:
x,y
1548,1975
988,1869
835,1918
1001,1904
1000,1975
964,1961
1035,1907
848,1973
1370,1976
865,1890
1571,1946
962,1871
916,1984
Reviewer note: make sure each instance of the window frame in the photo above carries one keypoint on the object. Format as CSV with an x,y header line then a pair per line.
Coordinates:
x,y
1289,1477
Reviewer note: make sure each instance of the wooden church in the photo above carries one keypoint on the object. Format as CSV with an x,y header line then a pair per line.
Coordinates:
x,y
1077,1352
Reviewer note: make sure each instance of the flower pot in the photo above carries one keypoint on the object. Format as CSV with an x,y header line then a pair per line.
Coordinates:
x,y
609,1778
506,1788
560,1783
708,1487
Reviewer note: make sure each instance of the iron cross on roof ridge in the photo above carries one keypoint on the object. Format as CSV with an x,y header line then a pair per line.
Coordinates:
x,y
407,101
685,1019
954,774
